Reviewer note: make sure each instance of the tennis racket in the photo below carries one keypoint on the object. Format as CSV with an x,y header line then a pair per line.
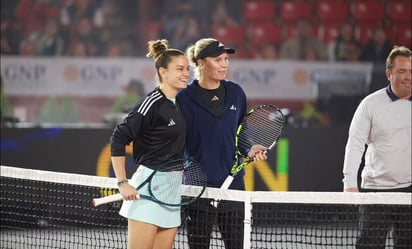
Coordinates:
x,y
262,125
165,184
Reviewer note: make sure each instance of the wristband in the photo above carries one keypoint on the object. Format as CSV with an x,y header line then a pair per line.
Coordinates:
x,y
122,182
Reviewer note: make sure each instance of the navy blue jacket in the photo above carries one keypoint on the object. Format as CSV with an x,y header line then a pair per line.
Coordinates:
x,y
210,140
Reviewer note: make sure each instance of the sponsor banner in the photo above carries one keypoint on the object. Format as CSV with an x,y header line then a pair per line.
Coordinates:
x,y
295,80
107,76
72,76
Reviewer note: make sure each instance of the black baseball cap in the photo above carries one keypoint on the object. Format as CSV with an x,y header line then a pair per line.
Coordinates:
x,y
214,49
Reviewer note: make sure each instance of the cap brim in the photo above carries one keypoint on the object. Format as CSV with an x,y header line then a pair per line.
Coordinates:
x,y
220,51
215,49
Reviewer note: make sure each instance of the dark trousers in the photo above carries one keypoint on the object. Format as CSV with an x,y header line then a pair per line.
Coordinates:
x,y
375,221
201,217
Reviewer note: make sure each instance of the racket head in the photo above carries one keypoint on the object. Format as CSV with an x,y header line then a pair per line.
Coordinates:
x,y
262,125
166,183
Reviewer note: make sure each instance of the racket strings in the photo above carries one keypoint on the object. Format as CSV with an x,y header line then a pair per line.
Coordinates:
x,y
193,175
166,184
263,126
175,165
262,135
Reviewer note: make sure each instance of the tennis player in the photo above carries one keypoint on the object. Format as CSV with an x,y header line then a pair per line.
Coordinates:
x,y
383,122
157,129
213,108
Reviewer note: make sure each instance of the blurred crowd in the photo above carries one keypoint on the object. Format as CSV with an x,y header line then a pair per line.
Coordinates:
x,y
110,28
79,28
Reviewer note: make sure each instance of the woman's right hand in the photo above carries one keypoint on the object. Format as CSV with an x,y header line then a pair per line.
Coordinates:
x,y
128,192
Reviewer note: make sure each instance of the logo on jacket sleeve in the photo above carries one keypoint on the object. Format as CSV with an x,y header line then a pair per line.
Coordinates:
x,y
233,108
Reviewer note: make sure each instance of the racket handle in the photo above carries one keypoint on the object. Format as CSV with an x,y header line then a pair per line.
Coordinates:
x,y
225,185
107,199
227,182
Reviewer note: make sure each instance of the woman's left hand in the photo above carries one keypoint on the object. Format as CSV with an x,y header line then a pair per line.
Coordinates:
x,y
257,152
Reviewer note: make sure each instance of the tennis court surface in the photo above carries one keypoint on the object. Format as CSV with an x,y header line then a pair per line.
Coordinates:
x,y
43,209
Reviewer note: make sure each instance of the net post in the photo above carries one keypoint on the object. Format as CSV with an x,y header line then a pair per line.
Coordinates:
x,y
247,222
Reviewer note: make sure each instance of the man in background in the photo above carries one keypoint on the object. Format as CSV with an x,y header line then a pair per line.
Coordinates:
x,y
382,121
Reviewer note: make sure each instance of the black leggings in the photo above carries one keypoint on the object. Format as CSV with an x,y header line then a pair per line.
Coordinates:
x,y
201,217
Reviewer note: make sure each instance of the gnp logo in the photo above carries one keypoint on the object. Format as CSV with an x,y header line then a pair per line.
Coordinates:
x,y
92,73
20,73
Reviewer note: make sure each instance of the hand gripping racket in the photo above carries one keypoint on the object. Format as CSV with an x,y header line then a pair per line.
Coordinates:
x,y
262,125
166,182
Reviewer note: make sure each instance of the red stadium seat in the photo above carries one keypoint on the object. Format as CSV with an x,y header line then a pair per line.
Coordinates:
x,y
291,31
364,32
261,33
404,35
259,10
400,10
230,35
329,31
292,11
368,10
332,10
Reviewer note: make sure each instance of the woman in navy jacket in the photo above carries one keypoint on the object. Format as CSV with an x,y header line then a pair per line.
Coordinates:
x,y
213,108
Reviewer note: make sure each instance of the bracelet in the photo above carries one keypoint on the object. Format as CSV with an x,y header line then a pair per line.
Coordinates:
x,y
120,183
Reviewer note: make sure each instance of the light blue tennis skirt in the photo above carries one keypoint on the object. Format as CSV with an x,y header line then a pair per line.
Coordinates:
x,y
149,211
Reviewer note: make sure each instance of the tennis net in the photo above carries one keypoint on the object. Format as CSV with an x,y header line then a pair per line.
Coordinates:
x,y
44,209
